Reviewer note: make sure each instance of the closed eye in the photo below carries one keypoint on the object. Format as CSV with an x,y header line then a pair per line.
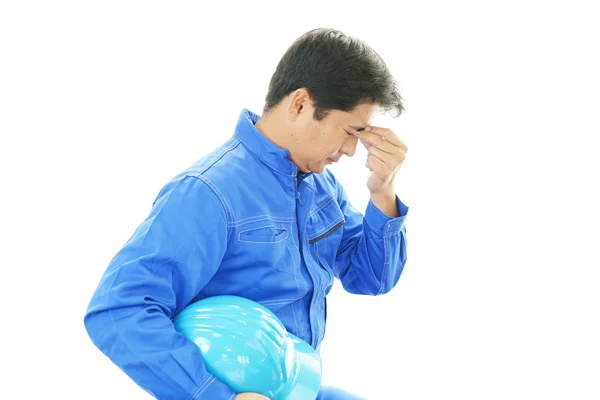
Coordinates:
x,y
355,129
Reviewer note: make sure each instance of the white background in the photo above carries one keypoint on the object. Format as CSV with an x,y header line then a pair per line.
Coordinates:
x,y
102,102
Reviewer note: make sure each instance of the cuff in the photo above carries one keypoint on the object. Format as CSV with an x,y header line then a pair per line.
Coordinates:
x,y
383,224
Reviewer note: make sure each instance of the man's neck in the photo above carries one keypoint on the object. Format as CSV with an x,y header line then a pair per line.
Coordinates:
x,y
268,126
271,127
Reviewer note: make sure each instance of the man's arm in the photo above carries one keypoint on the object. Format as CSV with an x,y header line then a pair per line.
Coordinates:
x,y
168,260
372,253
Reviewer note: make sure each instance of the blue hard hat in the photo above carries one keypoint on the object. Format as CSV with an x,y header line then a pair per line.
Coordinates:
x,y
246,346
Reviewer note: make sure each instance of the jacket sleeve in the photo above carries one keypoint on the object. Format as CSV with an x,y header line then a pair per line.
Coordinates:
x,y
168,260
372,252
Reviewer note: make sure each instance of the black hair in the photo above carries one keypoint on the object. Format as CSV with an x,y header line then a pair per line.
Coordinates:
x,y
340,72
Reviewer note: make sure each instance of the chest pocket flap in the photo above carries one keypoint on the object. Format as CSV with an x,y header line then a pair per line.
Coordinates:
x,y
324,221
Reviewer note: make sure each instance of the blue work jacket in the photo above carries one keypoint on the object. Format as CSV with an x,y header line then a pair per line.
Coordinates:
x,y
240,221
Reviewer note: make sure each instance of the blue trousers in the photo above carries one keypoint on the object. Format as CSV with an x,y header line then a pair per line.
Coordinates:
x,y
331,393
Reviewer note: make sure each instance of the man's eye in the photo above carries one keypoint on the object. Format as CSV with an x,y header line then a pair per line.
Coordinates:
x,y
352,133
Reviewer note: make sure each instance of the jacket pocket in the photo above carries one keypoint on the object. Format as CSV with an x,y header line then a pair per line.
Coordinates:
x,y
263,234
325,234
263,246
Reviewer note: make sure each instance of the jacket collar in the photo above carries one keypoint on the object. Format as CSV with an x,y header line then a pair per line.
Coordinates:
x,y
273,156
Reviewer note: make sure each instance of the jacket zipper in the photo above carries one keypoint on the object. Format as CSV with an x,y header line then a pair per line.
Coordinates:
x,y
326,233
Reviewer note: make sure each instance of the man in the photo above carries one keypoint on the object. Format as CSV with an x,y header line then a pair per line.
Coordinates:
x,y
261,218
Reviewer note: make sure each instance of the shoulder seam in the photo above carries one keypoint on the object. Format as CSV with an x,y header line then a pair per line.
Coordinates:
x,y
217,156
224,204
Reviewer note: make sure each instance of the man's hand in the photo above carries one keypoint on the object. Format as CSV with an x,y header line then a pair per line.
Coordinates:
x,y
250,396
386,155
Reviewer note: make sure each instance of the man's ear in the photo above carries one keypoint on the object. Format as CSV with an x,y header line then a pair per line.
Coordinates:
x,y
300,102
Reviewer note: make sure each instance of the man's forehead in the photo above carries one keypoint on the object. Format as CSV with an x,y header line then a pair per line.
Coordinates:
x,y
361,117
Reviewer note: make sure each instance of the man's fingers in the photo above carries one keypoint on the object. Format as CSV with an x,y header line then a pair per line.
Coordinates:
x,y
378,136
380,154
376,164
377,141
366,144
386,163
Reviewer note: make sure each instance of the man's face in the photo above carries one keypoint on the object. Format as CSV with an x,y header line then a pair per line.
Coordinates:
x,y
320,143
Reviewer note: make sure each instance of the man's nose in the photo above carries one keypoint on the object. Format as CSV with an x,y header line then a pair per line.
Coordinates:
x,y
349,147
